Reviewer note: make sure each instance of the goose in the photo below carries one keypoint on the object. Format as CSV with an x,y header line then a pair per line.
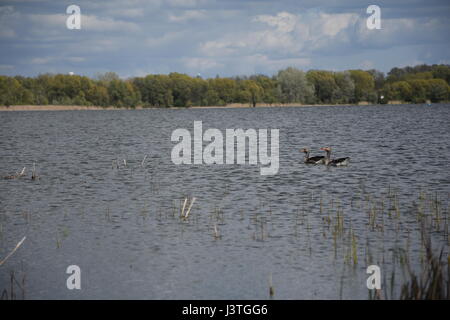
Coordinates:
x,y
334,162
312,160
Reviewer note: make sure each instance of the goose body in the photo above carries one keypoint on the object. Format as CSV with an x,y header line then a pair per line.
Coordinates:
x,y
339,162
312,160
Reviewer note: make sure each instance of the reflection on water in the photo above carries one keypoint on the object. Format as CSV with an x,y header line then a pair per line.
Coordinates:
x,y
315,229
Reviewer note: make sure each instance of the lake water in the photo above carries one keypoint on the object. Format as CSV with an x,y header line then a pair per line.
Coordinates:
x,y
122,226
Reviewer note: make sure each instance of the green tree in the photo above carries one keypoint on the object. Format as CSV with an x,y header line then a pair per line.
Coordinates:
x,y
364,86
324,85
269,88
97,95
122,94
251,91
294,87
225,88
400,90
181,89
420,90
345,90
10,90
441,72
438,90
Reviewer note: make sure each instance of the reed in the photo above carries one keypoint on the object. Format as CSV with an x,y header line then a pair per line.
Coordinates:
x,y
184,206
58,240
354,249
18,245
216,232
190,207
271,288
108,215
143,161
13,283
16,175
34,176
432,283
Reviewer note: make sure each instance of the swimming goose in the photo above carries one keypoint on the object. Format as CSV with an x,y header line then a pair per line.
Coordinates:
x,y
334,162
312,160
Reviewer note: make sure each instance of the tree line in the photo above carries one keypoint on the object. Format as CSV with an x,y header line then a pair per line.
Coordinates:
x,y
410,84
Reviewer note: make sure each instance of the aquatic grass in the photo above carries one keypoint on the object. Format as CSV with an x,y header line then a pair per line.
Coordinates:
x,y
432,283
17,175
34,176
216,232
354,248
143,161
108,215
189,208
12,291
271,288
58,240
18,245
26,216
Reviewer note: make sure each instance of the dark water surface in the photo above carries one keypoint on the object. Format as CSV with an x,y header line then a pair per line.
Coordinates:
x,y
122,226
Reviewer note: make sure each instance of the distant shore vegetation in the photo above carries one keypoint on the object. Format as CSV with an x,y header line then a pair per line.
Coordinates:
x,y
418,84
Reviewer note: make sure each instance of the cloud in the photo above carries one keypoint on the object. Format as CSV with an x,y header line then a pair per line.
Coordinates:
x,y
403,31
7,18
107,24
164,40
128,13
188,15
219,37
186,3
264,62
283,21
201,64
41,60
52,59
88,22
285,34
6,67
366,64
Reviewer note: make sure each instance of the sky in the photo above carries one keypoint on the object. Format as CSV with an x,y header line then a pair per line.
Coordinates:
x,y
219,37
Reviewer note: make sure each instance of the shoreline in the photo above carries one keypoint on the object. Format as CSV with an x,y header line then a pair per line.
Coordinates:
x,y
229,106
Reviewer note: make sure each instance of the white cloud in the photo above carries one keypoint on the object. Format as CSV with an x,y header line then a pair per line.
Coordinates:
x,y
274,64
7,33
6,67
48,20
88,22
50,59
188,15
186,3
367,64
8,16
403,31
41,60
128,13
216,36
283,21
107,24
201,64
332,24
164,40
285,34
75,59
